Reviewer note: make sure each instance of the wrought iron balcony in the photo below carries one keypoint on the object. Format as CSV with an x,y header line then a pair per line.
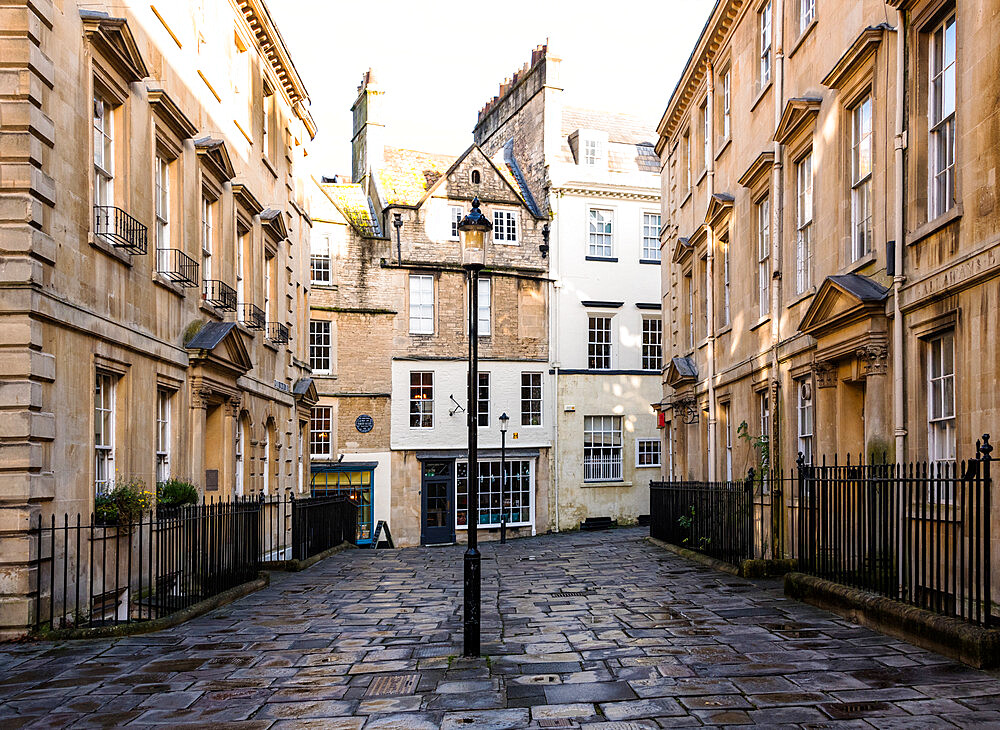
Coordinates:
x,y
121,229
277,332
219,294
252,317
177,266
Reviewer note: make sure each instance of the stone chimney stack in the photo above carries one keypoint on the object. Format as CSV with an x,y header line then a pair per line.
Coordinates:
x,y
368,140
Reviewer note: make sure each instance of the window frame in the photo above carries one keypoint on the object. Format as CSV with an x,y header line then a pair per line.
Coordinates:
x,y
316,418
207,234
519,480
726,282
610,428
762,207
455,215
592,152
639,443
506,227
420,306
161,201
532,408
593,342
651,241
861,180
319,260
941,429
726,89
104,414
599,240
941,125
765,38
805,411
104,174
164,408
417,405
484,324
320,346
803,225
807,14
655,348
483,403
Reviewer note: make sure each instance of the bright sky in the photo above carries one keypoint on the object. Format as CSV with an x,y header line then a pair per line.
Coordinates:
x,y
440,61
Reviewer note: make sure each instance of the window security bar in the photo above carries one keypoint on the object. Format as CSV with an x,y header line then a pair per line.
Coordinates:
x,y
122,230
177,266
219,294
252,317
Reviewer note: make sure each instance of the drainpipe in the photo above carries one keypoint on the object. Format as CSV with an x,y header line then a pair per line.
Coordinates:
x,y
556,290
898,368
710,277
777,231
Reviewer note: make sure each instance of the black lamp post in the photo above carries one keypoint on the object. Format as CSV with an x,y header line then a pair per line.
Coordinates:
x,y
473,229
504,418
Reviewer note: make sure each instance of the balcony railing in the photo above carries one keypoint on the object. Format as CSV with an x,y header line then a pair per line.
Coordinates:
x,y
277,332
252,317
177,266
121,229
219,294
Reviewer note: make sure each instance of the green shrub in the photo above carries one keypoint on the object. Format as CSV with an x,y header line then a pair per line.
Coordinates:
x,y
175,493
123,502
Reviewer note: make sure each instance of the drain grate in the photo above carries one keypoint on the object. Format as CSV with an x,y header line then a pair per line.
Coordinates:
x,y
852,710
239,661
569,594
397,684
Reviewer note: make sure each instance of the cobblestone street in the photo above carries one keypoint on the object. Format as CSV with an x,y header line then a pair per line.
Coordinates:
x,y
580,630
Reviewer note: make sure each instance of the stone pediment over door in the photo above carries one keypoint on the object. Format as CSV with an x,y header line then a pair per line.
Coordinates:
x,y
681,372
218,347
847,311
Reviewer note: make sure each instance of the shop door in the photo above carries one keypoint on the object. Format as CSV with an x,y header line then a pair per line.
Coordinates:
x,y
437,513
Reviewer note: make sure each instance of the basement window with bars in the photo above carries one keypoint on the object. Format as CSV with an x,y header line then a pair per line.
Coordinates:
x,y
602,448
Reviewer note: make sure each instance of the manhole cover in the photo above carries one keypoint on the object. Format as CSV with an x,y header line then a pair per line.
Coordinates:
x,y
539,679
569,594
555,723
400,684
853,710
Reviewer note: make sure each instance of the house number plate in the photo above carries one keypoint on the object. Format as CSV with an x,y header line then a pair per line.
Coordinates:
x,y
364,423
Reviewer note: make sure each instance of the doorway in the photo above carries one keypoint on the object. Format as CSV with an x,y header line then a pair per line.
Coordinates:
x,y
437,513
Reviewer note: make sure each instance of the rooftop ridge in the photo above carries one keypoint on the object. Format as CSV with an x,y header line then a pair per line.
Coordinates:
x,y
537,56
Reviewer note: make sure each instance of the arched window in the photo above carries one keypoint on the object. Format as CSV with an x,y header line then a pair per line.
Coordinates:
x,y
475,177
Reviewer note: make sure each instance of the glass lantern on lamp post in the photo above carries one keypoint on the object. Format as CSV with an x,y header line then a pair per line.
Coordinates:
x,y
473,229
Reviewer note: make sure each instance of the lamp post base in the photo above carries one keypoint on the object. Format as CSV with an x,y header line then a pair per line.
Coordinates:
x,y
473,573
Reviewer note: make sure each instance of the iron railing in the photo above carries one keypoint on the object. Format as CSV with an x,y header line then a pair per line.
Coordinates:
x,y
121,229
177,266
917,532
219,294
277,332
252,316
93,574
715,518
602,464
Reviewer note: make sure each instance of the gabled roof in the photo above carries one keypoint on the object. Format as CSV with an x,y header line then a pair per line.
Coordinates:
x,y
115,42
680,372
682,250
216,157
841,300
222,344
305,391
797,113
354,205
718,205
407,175
501,169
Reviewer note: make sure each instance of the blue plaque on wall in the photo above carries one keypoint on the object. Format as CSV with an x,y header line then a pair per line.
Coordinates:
x,y
364,423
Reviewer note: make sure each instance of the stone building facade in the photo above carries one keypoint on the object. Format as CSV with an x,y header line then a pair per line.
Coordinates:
x,y
596,177
828,194
154,289
398,312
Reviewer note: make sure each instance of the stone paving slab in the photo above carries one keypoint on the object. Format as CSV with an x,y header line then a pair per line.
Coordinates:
x,y
600,631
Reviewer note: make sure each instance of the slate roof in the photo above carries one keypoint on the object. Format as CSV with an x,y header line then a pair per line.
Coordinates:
x,y
630,139
210,335
685,367
865,289
355,206
512,171
302,385
406,175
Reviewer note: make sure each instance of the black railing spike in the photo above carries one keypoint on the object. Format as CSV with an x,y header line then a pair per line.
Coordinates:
x,y
987,448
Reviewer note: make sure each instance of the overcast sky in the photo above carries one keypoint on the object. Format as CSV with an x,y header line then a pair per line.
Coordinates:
x,y
440,61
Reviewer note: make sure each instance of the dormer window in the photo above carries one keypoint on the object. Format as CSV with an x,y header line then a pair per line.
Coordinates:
x,y
592,152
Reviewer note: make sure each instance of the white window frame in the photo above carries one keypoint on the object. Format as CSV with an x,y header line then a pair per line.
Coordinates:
x,y
239,442
455,215
764,48
652,344
805,418
483,310
207,235
640,456
650,236
601,227
105,387
242,236
592,152
763,209
689,281
104,152
320,424
669,438
517,483
807,12
483,400
706,133
688,163
268,263
421,406
600,336
942,103
804,210
421,304
320,346
602,449
161,200
319,261
726,411
764,408
506,225
862,163
164,403
531,407
727,80
941,398
726,293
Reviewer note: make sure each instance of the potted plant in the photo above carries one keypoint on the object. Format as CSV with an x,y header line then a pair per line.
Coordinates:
x,y
122,502
175,493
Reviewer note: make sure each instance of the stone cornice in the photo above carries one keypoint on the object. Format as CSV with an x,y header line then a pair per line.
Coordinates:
x,y
863,47
609,191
